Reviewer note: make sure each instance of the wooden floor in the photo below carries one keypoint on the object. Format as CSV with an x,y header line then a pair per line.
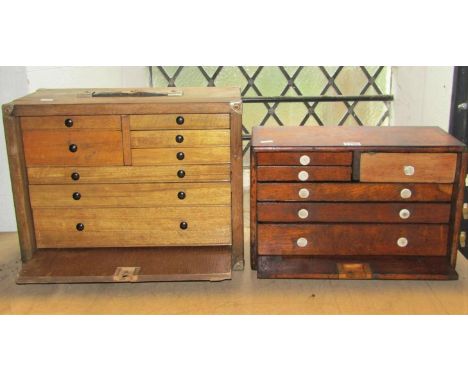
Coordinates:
x,y
244,294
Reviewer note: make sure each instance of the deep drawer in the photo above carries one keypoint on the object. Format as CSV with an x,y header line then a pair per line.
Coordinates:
x,y
354,212
352,239
407,167
111,227
128,174
72,147
179,121
304,158
130,195
406,192
303,174
109,122
175,156
180,138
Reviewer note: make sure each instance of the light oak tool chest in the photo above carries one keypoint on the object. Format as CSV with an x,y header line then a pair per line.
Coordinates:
x,y
115,185
356,202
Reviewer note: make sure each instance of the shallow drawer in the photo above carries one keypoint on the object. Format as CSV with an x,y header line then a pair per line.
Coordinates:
x,y
303,174
354,212
305,158
352,239
72,122
128,174
407,167
130,195
111,227
180,138
179,121
176,156
405,192
72,147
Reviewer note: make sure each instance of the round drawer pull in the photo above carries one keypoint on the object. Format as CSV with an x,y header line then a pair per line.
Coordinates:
x,y
75,176
404,213
180,120
304,193
76,196
73,148
301,242
304,160
183,225
408,170
80,227
405,193
179,138
69,122
181,195
303,213
303,175
180,155
402,242
181,173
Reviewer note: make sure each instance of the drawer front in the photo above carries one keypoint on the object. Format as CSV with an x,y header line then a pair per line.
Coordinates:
x,y
408,167
398,192
112,227
303,174
73,122
180,138
304,158
179,121
354,212
128,174
175,156
353,239
57,147
130,195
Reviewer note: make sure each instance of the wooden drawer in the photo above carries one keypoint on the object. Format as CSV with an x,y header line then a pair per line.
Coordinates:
x,y
128,174
304,158
54,147
352,239
408,167
180,138
354,192
179,121
73,122
130,195
170,156
111,227
303,174
354,212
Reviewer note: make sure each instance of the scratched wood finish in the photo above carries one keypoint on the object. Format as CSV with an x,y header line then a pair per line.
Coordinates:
x,y
52,147
294,158
190,138
169,156
169,121
303,173
108,122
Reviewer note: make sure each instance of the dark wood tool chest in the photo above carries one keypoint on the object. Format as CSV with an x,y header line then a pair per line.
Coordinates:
x,y
356,202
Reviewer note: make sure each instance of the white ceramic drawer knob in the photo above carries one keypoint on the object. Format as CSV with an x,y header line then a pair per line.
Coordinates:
x,y
301,242
402,242
404,213
405,193
303,175
408,170
304,193
304,160
303,213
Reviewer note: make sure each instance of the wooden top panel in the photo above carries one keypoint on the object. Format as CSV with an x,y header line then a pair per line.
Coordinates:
x,y
353,137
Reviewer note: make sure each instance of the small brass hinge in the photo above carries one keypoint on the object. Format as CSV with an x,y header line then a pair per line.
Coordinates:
x,y
462,239
465,211
357,271
126,274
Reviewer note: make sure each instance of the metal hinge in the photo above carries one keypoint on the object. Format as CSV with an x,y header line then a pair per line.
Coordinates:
x,y
358,271
462,239
126,274
465,211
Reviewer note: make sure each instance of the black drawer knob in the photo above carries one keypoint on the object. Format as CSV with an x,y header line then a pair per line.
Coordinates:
x,y
76,196
180,120
181,173
183,225
69,122
75,176
73,148
180,155
80,226
181,195
179,138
